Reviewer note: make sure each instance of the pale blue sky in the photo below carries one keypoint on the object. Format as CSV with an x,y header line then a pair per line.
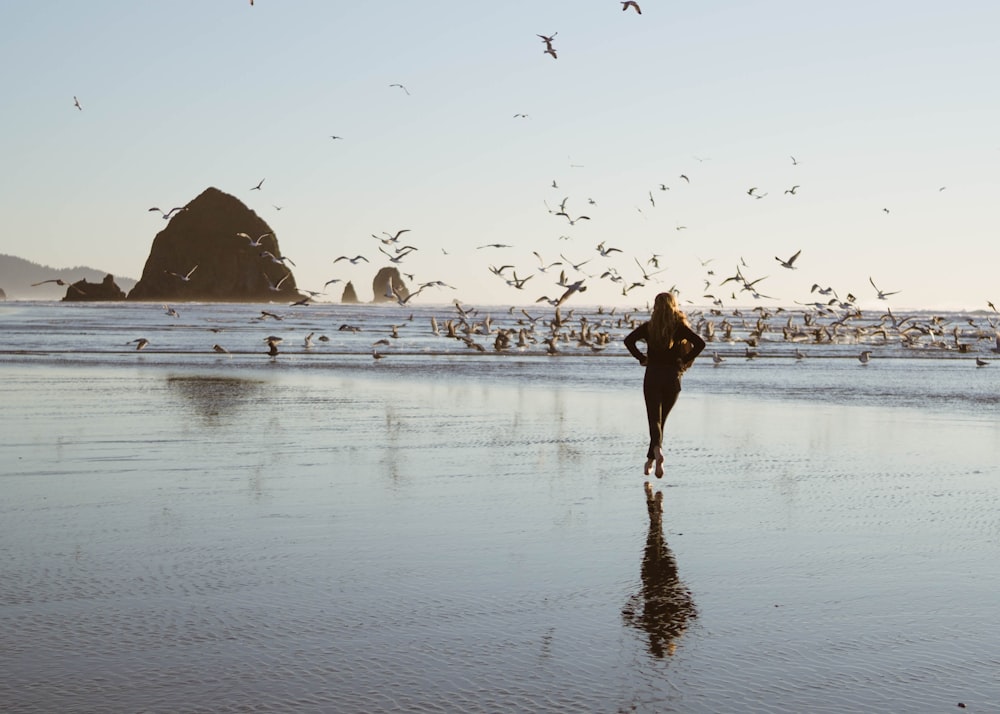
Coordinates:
x,y
881,103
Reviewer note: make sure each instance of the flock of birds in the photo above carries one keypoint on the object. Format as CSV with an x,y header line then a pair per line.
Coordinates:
x,y
828,320
755,334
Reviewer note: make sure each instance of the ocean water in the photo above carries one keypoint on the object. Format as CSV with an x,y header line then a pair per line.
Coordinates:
x,y
928,360
449,529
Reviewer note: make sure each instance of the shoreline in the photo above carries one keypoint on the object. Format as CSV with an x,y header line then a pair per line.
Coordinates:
x,y
211,541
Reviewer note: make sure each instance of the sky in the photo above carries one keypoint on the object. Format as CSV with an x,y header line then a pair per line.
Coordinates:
x,y
884,114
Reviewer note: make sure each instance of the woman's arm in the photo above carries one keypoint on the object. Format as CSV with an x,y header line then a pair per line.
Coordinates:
x,y
639,333
696,343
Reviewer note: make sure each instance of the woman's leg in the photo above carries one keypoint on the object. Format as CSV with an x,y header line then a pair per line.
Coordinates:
x,y
660,392
651,394
668,397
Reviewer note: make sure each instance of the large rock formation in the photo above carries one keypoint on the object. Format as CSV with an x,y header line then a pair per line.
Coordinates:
x,y
349,295
388,283
82,291
229,268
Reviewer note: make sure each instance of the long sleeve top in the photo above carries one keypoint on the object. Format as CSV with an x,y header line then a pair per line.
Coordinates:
x,y
670,358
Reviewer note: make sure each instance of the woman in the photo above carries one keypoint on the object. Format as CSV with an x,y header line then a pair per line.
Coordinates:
x,y
671,347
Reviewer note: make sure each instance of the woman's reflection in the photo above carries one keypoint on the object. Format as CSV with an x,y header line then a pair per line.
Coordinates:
x,y
664,606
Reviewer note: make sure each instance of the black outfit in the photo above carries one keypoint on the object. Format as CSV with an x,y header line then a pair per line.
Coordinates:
x,y
662,383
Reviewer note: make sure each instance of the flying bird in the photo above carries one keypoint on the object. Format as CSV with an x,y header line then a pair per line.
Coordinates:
x,y
792,190
254,243
139,343
790,263
572,221
275,259
353,261
168,214
186,278
401,87
605,252
257,187
631,4
390,238
276,287
76,103
60,282
881,295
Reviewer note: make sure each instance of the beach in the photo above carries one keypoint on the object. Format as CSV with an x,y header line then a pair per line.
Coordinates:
x,y
185,539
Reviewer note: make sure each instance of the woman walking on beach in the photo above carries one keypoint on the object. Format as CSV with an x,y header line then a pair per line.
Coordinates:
x,y
671,347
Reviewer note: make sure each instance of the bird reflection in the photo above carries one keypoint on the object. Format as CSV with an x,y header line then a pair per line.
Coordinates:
x,y
215,399
664,606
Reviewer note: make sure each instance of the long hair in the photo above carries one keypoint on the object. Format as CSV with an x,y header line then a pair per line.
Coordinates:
x,y
664,321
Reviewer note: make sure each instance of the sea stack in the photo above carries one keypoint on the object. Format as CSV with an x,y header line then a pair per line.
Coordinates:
x,y
229,268
350,295
388,283
84,291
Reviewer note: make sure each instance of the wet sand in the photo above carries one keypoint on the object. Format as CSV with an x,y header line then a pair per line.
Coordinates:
x,y
191,541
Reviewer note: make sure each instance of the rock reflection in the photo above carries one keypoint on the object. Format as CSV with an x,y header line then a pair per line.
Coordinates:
x,y
664,606
214,398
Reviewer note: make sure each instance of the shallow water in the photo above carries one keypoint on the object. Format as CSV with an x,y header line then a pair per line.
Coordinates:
x,y
259,537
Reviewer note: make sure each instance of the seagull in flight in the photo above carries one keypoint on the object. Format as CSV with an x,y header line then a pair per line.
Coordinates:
x,y
257,187
254,243
275,286
168,214
275,259
881,295
790,263
572,221
353,261
605,252
541,263
631,4
185,278
391,238
139,343
60,282
76,103
401,87
792,190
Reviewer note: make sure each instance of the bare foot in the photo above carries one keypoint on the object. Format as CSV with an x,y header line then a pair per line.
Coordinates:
x,y
648,467
659,462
